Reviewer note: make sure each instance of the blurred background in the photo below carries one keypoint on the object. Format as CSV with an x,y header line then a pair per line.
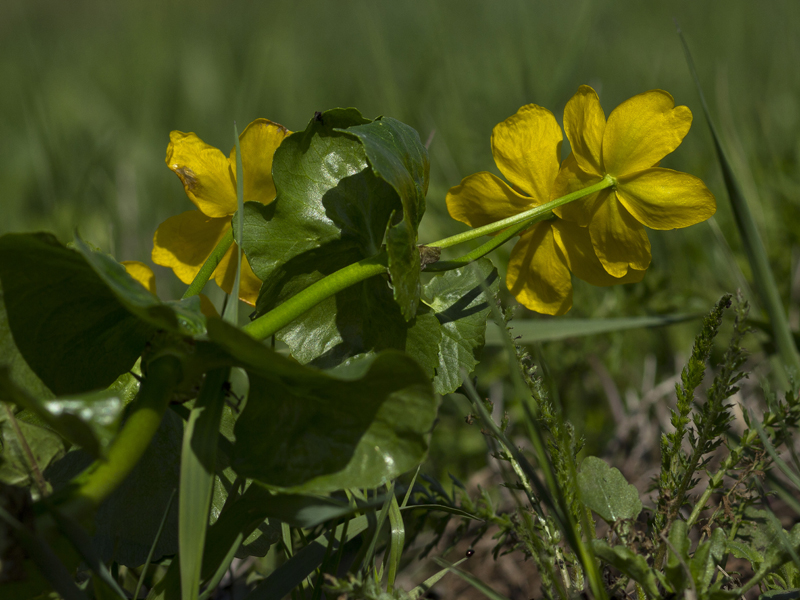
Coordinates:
x,y
92,89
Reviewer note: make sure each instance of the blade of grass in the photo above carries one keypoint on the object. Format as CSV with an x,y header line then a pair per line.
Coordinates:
x,y
426,585
291,573
198,460
545,330
373,544
153,547
221,570
231,312
471,579
397,541
751,240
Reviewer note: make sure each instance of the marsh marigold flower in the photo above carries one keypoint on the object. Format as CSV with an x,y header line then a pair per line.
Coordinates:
x,y
526,148
629,146
185,241
144,275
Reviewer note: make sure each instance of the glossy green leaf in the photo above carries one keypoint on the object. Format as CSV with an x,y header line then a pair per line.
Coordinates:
x,y
360,425
605,491
397,155
89,420
77,317
461,305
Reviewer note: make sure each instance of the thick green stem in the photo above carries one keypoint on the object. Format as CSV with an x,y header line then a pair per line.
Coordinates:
x,y
205,272
105,476
279,317
524,217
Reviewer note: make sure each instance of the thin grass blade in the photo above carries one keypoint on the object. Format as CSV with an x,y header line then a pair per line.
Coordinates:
x,y
397,541
751,240
424,587
198,460
222,569
471,579
153,547
231,312
547,330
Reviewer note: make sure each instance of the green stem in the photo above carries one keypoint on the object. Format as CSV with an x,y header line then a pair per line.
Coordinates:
x,y
105,476
483,250
276,319
205,272
524,217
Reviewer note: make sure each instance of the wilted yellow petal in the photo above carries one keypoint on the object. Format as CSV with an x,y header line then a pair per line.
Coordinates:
x,y
575,244
666,199
259,141
205,174
537,274
225,275
619,240
643,130
141,273
185,241
527,150
572,178
584,123
482,198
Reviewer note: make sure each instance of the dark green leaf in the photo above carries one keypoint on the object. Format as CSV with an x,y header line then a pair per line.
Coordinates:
x,y
605,490
359,425
45,445
397,155
89,420
77,317
461,306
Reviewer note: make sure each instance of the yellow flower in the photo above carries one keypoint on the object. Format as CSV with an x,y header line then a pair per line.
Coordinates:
x,y
526,148
639,133
144,275
185,241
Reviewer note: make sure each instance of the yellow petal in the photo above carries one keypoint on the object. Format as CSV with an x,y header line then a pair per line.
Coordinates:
x,y
666,199
225,275
258,142
527,150
205,174
643,130
575,244
482,198
584,123
537,274
141,273
619,240
185,241
572,178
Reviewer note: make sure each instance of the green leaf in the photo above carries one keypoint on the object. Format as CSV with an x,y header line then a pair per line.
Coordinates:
x,y
544,330
332,209
627,562
605,491
780,595
89,420
461,307
674,569
397,155
77,317
360,425
128,521
46,447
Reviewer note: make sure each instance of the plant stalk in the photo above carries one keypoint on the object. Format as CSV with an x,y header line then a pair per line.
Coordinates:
x,y
208,268
528,216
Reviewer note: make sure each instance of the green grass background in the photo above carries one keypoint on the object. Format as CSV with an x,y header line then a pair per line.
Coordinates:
x,y
91,90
